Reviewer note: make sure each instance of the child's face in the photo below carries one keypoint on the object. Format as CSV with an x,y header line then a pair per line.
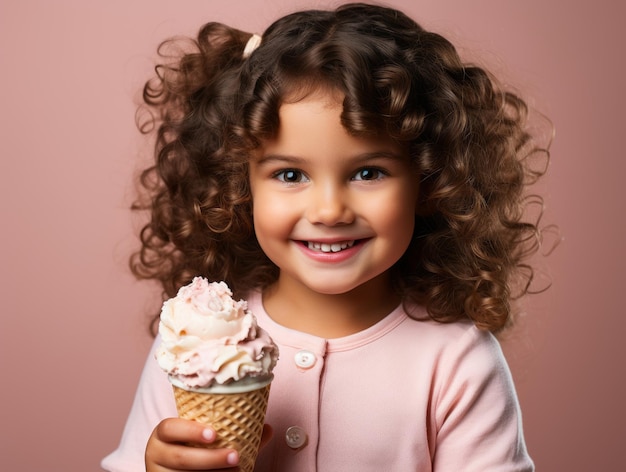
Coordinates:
x,y
331,210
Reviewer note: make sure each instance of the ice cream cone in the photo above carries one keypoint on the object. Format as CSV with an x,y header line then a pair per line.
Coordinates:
x,y
220,362
237,417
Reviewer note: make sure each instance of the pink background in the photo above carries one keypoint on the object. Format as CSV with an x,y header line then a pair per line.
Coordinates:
x,y
73,331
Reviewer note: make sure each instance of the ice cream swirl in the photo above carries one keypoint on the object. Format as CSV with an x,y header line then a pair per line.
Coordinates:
x,y
209,338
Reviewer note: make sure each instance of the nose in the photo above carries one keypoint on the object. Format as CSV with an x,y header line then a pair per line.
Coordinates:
x,y
329,205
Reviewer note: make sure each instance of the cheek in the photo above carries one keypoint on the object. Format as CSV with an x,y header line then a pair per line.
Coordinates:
x,y
397,209
271,215
395,220
399,224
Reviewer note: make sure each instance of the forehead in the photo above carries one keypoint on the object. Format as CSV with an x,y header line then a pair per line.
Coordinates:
x,y
312,128
313,91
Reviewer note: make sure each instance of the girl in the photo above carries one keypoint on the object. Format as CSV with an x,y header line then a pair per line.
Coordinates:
x,y
363,189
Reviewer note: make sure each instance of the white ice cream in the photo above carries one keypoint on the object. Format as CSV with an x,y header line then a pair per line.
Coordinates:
x,y
208,338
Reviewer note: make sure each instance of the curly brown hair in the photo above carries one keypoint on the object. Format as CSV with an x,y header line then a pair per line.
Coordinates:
x,y
211,107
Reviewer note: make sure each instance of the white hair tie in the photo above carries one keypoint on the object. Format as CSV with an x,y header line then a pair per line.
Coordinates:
x,y
251,45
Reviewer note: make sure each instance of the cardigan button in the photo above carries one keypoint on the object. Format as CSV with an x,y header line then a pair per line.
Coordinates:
x,y
295,437
305,359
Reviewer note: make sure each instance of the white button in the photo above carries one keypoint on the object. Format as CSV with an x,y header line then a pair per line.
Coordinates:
x,y
305,359
295,437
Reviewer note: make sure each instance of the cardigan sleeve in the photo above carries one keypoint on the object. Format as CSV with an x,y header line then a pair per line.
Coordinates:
x,y
478,419
153,402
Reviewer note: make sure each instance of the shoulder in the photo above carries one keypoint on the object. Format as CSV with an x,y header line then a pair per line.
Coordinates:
x,y
458,337
456,350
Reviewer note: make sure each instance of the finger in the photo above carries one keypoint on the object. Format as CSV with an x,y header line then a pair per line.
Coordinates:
x,y
178,430
169,447
181,457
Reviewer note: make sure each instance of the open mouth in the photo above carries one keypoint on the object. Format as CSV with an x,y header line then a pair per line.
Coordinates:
x,y
329,247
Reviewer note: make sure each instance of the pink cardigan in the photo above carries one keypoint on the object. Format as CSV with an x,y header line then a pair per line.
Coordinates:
x,y
403,395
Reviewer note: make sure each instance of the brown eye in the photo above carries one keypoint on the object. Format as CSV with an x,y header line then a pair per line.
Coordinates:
x,y
368,173
290,176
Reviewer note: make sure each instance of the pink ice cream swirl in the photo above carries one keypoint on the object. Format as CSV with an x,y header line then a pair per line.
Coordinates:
x,y
208,338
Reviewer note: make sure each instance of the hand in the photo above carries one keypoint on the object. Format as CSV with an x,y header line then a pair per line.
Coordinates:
x,y
168,448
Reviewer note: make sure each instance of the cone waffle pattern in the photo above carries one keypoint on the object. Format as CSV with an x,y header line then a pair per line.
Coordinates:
x,y
237,419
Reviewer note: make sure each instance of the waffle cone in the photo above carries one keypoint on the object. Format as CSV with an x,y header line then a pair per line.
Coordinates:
x,y
237,418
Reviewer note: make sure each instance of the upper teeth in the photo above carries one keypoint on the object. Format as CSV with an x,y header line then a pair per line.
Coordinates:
x,y
334,247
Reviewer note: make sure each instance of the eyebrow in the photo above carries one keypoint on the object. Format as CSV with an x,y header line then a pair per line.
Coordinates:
x,y
280,158
359,158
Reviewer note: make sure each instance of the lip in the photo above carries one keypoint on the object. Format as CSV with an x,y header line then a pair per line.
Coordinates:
x,y
331,257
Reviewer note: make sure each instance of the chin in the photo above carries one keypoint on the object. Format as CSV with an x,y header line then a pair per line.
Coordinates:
x,y
331,289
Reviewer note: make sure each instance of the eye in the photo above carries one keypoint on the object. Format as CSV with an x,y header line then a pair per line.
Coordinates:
x,y
290,176
369,173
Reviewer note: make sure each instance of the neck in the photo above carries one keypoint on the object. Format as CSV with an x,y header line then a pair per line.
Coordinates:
x,y
329,315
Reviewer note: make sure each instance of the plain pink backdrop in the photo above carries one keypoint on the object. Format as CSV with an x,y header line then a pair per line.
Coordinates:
x,y
73,333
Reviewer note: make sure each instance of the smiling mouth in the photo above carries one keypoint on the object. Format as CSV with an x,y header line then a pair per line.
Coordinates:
x,y
329,247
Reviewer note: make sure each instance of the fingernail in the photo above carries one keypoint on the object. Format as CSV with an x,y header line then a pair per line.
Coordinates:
x,y
208,434
232,458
